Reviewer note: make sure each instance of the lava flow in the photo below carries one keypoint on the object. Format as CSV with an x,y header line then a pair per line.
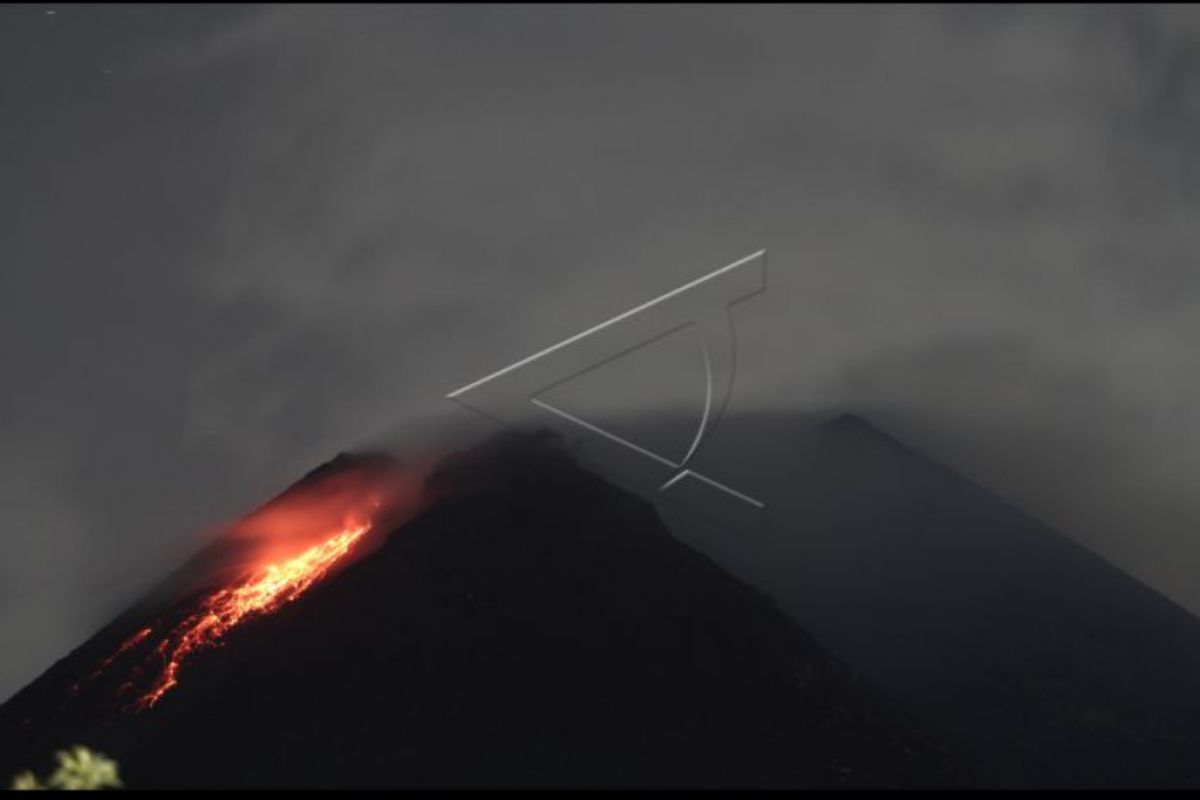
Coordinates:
x,y
266,561
267,590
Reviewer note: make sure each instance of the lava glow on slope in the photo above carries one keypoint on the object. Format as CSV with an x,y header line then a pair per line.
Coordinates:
x,y
267,590
282,551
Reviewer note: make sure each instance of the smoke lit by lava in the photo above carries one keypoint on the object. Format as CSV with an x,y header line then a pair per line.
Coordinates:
x,y
274,556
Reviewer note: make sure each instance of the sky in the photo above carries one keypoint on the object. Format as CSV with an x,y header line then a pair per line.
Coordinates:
x,y
237,240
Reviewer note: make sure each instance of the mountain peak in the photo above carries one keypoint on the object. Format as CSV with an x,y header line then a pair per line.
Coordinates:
x,y
533,626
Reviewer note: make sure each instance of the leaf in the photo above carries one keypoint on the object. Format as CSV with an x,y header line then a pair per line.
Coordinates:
x,y
26,781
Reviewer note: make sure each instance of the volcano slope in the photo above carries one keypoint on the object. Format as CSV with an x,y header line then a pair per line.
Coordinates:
x,y
534,626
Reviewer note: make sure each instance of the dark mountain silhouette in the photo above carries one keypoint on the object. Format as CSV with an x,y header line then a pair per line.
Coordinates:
x,y
1077,671
534,626
1040,657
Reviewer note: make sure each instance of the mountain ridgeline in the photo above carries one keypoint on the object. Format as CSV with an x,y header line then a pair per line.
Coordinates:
x,y
533,626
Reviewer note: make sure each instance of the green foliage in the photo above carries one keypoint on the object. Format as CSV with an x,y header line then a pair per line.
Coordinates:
x,y
78,768
26,781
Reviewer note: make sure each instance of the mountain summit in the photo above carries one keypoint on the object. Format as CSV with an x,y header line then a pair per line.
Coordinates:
x,y
531,626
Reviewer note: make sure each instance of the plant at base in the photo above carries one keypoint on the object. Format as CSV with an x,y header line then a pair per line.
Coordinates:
x,y
78,768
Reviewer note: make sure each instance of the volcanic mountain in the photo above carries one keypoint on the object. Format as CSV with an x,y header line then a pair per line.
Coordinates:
x,y
1029,650
523,623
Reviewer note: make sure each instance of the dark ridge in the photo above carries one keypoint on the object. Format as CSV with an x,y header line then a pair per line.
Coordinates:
x,y
1048,662
861,430
344,461
862,433
1003,631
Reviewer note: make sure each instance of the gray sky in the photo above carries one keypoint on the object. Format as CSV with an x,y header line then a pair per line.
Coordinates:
x,y
237,240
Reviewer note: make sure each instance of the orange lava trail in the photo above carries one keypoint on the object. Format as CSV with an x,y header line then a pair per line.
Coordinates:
x,y
266,590
128,644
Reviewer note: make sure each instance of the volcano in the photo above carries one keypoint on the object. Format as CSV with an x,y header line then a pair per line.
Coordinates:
x,y
520,622
1029,650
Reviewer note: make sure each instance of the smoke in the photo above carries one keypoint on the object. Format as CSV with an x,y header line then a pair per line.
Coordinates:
x,y
295,228
978,224
43,575
346,493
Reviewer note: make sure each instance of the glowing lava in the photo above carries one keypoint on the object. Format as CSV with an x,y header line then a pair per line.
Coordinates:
x,y
128,644
260,564
265,590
